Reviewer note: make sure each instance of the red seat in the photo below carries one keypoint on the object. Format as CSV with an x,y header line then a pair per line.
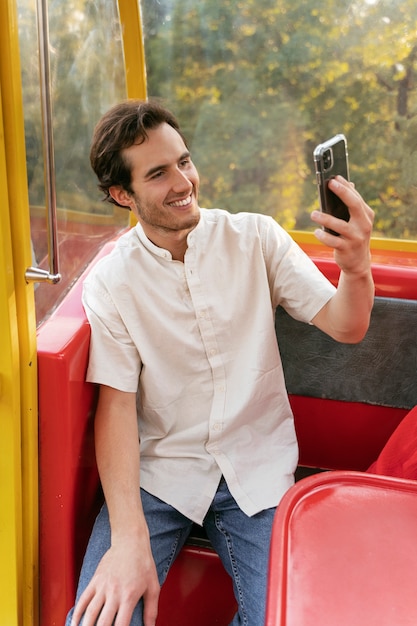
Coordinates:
x,y
197,591
343,553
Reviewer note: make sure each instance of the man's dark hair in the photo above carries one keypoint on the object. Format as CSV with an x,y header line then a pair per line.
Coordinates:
x,y
125,124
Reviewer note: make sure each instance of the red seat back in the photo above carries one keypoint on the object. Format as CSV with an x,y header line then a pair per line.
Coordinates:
x,y
343,552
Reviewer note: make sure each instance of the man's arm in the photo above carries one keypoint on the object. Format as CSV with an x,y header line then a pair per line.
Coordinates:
x,y
346,316
127,571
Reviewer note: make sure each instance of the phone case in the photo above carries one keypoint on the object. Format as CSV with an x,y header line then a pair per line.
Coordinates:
x,y
331,159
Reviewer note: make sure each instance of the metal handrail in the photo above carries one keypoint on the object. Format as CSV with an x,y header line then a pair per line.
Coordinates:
x,y
36,274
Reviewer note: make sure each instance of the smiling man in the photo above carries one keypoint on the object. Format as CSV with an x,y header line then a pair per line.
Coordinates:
x,y
193,422
164,188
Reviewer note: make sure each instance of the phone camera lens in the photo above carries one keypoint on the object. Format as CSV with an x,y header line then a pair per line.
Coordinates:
x,y
327,159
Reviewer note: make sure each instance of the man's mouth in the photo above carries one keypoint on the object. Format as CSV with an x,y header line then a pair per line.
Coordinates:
x,y
181,203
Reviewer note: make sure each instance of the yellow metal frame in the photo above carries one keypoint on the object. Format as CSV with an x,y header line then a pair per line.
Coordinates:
x,y
10,458
134,53
18,390
378,244
130,19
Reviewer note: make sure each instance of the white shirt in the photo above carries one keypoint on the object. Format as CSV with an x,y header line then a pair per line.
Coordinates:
x,y
197,341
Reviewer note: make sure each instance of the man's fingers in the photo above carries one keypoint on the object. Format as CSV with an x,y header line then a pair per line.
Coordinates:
x,y
89,607
150,605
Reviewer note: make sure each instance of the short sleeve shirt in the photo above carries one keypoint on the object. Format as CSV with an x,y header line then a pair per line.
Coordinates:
x,y
196,341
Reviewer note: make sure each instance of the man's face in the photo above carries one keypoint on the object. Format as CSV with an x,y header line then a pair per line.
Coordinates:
x,y
165,183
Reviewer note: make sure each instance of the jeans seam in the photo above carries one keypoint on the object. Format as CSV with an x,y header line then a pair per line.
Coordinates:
x,y
172,555
229,544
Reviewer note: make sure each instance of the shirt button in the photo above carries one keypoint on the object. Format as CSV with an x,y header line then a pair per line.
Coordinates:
x,y
217,426
212,352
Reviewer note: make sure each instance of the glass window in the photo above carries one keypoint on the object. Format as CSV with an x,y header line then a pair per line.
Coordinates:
x,y
87,75
257,84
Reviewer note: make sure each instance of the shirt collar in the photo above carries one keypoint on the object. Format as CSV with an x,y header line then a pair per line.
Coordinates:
x,y
163,252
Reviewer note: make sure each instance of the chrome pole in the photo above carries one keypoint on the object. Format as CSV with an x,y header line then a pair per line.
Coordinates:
x,y
35,274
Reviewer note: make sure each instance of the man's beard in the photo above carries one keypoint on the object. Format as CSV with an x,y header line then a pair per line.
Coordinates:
x,y
164,220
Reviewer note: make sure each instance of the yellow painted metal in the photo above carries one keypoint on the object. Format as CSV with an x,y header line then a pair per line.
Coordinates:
x,y
377,243
134,53
10,460
19,447
133,48
394,245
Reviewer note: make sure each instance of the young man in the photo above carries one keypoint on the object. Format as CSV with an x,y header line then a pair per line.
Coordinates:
x,y
193,422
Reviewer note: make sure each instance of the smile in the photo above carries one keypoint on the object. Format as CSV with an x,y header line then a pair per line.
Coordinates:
x,y
181,203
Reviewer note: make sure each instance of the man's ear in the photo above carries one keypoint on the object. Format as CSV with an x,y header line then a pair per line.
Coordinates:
x,y
121,196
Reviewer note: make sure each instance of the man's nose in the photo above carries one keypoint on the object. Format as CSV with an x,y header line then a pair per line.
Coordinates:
x,y
181,181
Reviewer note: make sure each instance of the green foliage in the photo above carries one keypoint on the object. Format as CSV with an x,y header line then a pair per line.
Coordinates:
x,y
257,84
87,77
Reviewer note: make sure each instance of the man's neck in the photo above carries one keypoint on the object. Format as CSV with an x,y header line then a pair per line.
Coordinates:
x,y
173,241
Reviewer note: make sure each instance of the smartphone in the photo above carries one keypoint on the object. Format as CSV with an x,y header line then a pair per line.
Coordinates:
x,y
331,159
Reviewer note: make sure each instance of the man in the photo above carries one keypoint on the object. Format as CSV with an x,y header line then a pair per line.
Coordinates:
x,y
193,422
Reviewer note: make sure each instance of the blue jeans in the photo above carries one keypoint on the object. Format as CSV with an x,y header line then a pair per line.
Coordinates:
x,y
242,543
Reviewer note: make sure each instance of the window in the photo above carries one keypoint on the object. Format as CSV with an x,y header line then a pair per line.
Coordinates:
x,y
87,76
256,84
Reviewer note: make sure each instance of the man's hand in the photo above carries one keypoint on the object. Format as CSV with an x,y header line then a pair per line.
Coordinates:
x,y
125,574
346,315
351,248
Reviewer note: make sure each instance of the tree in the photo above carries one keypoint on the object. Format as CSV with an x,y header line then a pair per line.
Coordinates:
x,y
87,76
257,84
